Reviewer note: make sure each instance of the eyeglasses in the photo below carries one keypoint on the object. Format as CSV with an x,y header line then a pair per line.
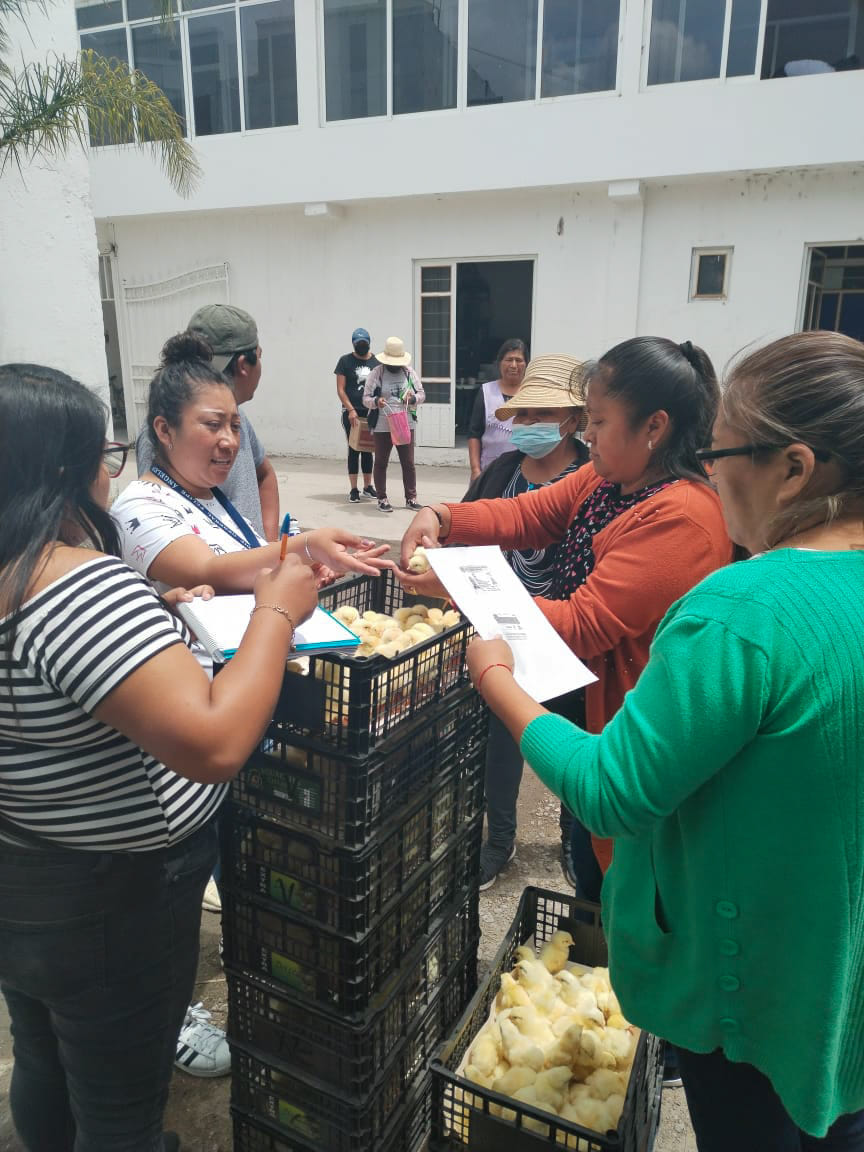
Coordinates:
x,y
115,458
709,455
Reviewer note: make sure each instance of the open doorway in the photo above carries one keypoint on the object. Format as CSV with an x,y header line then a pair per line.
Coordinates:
x,y
112,348
835,290
466,310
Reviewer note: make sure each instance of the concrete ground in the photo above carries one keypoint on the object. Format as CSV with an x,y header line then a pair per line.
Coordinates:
x,y
315,491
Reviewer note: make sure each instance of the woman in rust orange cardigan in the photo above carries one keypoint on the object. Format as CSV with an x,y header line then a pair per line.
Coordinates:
x,y
637,526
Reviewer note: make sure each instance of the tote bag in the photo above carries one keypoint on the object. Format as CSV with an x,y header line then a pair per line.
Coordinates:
x,y
361,438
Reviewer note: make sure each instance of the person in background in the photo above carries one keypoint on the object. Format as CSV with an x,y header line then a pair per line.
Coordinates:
x,y
351,370
104,849
392,385
488,434
732,778
251,485
546,413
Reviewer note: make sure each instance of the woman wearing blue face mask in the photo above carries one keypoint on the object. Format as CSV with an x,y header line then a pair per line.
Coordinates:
x,y
547,412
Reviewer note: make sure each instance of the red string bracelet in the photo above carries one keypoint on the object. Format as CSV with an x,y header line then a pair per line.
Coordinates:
x,y
486,669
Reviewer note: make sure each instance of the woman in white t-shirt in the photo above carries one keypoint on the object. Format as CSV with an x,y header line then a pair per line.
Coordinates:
x,y
176,527
104,849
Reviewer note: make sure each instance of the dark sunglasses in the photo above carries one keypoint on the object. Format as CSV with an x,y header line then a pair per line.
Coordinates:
x,y
709,455
115,458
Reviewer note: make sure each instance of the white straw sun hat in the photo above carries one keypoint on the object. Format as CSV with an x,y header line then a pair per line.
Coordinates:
x,y
394,352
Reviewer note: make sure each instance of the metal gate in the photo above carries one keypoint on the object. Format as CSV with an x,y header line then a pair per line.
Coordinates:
x,y
153,312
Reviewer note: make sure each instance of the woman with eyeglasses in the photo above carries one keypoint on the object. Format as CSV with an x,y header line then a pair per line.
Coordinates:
x,y
488,434
732,778
105,850
176,525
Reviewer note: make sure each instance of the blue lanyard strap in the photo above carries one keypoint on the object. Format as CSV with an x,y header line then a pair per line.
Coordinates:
x,y
248,538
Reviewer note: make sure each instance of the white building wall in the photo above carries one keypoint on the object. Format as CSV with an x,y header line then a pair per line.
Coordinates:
x,y
50,310
607,267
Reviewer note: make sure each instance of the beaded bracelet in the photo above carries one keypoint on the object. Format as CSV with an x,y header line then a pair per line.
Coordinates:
x,y
276,608
479,680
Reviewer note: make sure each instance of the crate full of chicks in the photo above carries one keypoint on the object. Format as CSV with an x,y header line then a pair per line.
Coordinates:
x,y
409,655
544,1049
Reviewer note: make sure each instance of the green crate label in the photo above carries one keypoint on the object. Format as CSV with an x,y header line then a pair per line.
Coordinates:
x,y
290,972
290,787
289,891
290,1116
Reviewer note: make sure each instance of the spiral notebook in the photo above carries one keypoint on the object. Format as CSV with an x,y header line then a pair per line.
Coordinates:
x,y
219,624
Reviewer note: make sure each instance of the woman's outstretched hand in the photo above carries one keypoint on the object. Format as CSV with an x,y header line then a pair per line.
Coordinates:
x,y
342,551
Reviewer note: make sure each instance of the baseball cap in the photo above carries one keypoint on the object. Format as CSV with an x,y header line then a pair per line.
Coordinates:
x,y
360,334
228,330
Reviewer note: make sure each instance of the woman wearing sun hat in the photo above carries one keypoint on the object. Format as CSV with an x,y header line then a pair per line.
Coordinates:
x,y
547,412
393,386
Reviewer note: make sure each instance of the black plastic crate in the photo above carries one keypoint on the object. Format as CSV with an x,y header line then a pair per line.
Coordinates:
x,y
461,1116
351,1052
350,798
406,1132
339,888
351,704
336,971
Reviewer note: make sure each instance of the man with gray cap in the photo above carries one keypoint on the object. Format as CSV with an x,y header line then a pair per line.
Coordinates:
x,y
251,485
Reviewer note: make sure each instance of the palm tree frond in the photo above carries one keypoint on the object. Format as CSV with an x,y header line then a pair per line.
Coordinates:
x,y
45,107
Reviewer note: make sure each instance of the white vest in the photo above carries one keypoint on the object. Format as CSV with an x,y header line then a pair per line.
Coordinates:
x,y
496,437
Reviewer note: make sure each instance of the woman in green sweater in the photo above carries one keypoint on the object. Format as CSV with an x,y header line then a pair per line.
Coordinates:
x,y
732,778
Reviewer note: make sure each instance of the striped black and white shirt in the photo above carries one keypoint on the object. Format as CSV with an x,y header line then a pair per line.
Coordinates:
x,y
64,776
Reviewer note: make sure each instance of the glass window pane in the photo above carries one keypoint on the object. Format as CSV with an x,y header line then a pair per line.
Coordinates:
x,y
686,40
710,274
96,13
355,58
811,36
192,5
743,37
853,276
425,35
435,342
435,279
580,46
828,311
502,50
111,45
213,61
269,64
156,53
145,9
833,277
851,319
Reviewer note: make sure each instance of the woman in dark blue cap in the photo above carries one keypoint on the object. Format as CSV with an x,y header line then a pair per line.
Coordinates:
x,y
351,372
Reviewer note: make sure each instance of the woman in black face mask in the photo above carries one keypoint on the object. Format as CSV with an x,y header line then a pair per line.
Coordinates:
x,y
351,372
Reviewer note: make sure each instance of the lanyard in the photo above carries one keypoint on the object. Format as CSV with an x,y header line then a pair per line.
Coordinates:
x,y
247,540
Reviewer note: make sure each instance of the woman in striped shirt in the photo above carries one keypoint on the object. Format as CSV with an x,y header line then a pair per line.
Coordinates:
x,y
98,694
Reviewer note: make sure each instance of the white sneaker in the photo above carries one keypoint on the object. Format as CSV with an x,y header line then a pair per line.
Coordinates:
x,y
202,1049
212,902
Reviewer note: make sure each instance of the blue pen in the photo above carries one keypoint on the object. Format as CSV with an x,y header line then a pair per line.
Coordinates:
x,y
284,534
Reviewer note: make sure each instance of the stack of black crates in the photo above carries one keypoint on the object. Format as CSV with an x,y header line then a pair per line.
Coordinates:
x,y
350,871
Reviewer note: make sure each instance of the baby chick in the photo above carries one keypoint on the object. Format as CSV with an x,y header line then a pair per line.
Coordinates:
x,y
418,562
604,1082
513,1080
555,952
487,1048
550,1087
511,994
529,1022
519,1049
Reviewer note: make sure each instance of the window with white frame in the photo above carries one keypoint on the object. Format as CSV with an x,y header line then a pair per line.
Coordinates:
x,y
702,39
803,37
225,67
709,273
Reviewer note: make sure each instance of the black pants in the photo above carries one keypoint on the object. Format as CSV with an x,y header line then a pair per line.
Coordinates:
x,y
733,1108
356,459
98,954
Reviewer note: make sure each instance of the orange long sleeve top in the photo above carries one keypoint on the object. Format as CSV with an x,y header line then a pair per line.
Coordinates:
x,y
649,556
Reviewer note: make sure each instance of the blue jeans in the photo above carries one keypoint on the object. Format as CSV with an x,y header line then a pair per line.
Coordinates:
x,y
733,1106
98,954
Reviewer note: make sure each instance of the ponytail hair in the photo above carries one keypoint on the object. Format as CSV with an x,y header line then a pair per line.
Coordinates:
x,y
649,374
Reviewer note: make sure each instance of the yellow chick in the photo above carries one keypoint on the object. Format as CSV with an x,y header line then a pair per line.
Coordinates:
x,y
555,952
529,1022
533,975
579,998
616,1020
550,1087
514,1079
487,1049
568,1047
593,1050
621,1043
519,1049
450,619
473,1074
614,1108
524,952
604,1082
511,994
347,614
418,562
